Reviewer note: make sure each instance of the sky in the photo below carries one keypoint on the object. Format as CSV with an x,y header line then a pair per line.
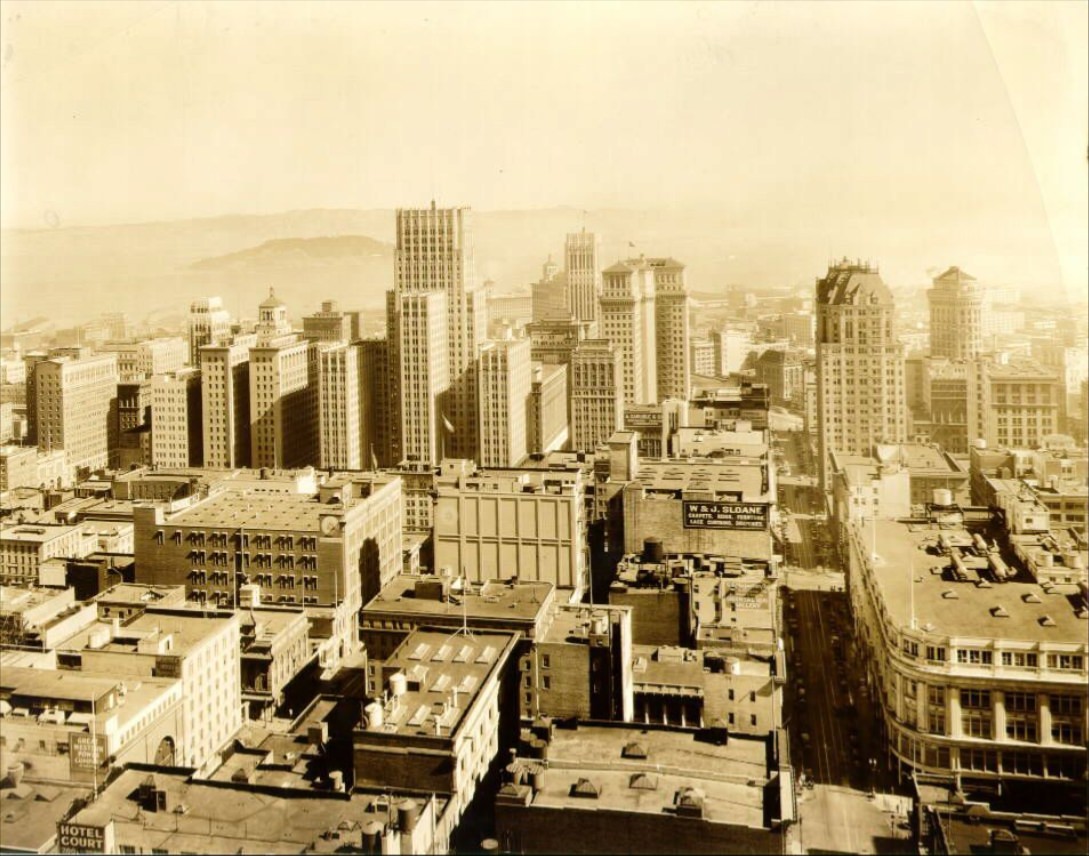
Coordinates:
x,y
846,117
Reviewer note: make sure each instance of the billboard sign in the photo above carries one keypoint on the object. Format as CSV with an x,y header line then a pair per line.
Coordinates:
x,y
745,516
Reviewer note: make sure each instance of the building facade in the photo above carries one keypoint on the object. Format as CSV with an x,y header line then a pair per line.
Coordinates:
x,y
73,397
957,326
583,273
860,364
628,320
503,389
177,430
597,393
225,402
434,253
340,427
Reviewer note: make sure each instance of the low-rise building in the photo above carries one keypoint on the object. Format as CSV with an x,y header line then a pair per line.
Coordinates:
x,y
978,665
27,466
275,649
446,705
527,523
201,651
24,547
409,602
720,506
73,726
145,811
40,618
615,789
580,667
335,548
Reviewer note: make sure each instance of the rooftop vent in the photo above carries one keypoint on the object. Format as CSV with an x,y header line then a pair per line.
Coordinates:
x,y
585,789
1031,597
643,782
634,750
1047,621
999,612
949,594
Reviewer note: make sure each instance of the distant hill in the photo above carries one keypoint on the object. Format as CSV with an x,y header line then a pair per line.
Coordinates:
x,y
73,273
300,251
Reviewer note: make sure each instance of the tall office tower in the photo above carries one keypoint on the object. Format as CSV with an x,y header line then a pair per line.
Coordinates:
x,y
128,428
504,387
30,385
861,397
283,392
553,341
141,359
209,324
378,413
550,297
671,307
732,349
435,254
339,408
272,323
547,415
225,401
956,316
423,377
283,405
177,436
597,393
584,286
628,320
328,325
73,396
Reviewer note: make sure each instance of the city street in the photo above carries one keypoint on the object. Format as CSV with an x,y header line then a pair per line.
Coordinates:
x,y
839,820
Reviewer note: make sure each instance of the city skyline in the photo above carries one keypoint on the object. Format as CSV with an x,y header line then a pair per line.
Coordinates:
x,y
615,428
968,126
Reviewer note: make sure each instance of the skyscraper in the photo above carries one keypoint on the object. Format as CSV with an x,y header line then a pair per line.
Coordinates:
x,y
583,272
209,324
225,401
340,413
861,398
628,320
73,396
435,254
423,376
671,306
505,380
956,316
176,431
328,325
597,393
283,392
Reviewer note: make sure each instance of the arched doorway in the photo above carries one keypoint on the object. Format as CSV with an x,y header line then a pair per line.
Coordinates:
x,y
164,755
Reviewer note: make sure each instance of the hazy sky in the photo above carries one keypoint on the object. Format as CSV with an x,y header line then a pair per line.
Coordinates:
x,y
854,116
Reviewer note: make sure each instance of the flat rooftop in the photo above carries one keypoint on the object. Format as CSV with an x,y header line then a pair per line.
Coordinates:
x,y
139,594
972,611
31,812
744,475
437,664
69,685
494,599
570,622
35,533
234,509
15,599
186,630
231,820
730,778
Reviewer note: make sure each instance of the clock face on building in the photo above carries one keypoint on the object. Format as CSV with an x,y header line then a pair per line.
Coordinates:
x,y
328,525
448,515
